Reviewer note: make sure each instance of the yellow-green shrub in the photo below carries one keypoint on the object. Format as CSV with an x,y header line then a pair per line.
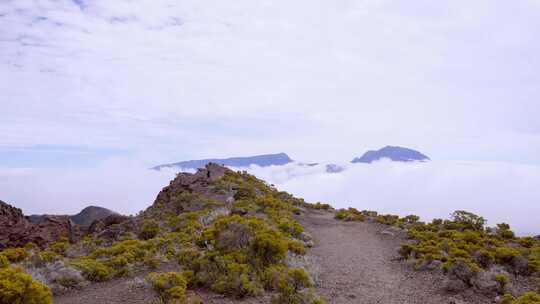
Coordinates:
x,y
15,255
187,256
269,247
387,219
18,287
502,280
296,247
150,229
4,262
235,279
468,220
291,227
350,214
289,283
318,206
171,286
505,255
60,246
93,270
528,298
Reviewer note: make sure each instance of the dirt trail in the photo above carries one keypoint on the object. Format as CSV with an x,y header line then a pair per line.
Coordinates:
x,y
358,265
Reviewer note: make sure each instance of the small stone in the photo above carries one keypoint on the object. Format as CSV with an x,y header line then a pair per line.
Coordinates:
x,y
387,232
454,285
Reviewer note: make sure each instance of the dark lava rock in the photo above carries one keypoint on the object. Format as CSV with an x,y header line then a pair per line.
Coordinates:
x,y
16,230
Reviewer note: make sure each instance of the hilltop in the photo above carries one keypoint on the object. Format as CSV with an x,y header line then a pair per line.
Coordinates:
x,y
392,153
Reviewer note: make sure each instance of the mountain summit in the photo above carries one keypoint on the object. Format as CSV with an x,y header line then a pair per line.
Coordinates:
x,y
259,160
393,153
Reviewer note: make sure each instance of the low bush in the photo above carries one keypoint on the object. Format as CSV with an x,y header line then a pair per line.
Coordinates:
x,y
528,298
171,286
318,206
15,255
18,287
93,270
4,262
350,214
150,229
502,280
59,247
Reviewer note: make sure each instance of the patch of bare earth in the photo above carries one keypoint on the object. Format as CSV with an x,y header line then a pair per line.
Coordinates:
x,y
358,264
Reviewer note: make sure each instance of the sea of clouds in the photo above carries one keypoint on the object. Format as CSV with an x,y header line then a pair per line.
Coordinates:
x,y
501,192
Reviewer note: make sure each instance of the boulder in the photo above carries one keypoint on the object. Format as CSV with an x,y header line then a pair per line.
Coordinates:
x,y
485,283
112,227
454,285
58,276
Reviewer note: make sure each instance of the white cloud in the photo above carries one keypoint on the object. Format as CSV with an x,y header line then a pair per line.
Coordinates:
x,y
501,192
119,185
359,74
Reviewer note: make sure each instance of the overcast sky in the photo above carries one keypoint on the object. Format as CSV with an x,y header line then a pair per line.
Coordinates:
x,y
166,80
93,92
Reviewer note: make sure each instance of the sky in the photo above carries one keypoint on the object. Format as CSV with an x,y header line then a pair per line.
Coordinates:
x,y
87,87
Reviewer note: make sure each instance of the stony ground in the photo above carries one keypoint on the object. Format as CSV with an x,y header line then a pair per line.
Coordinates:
x,y
353,263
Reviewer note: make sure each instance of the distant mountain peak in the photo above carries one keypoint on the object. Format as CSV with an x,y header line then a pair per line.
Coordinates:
x,y
394,153
264,160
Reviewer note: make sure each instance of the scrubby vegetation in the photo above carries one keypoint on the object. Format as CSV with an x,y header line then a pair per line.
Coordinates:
x,y
18,287
318,206
464,247
171,286
350,214
237,248
234,253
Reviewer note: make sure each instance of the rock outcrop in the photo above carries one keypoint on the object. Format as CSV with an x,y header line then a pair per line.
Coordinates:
x,y
188,191
16,230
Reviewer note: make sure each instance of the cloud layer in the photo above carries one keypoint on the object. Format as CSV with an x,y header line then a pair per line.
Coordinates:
x,y
501,192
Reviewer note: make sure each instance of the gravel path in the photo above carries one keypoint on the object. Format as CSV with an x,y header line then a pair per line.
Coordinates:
x,y
358,265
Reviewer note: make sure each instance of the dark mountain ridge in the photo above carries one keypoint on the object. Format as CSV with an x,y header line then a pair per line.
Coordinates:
x,y
264,160
394,153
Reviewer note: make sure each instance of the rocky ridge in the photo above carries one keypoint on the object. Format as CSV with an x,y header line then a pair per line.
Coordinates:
x,y
16,230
